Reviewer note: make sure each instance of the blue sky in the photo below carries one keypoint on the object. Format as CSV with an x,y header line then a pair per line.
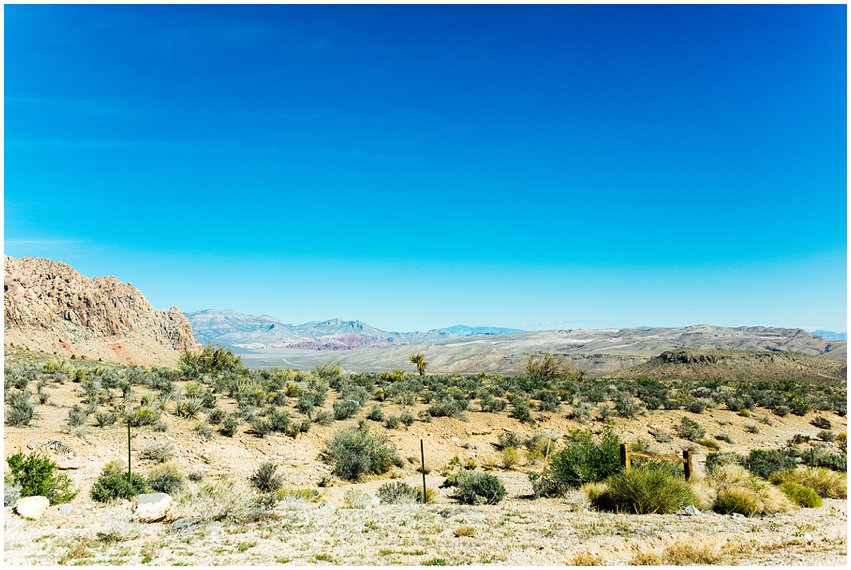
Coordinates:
x,y
416,167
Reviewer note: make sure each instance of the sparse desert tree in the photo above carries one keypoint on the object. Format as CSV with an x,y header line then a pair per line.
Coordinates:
x,y
420,361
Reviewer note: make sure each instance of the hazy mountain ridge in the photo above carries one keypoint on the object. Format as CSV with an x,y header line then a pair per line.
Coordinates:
x,y
249,332
598,351
51,307
830,335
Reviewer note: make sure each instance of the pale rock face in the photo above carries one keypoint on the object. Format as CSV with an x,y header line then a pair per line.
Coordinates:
x,y
32,507
51,307
152,507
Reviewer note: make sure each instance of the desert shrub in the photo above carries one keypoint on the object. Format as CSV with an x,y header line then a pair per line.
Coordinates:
x,y
660,435
710,444
37,475
407,419
327,370
229,426
20,411
143,416
548,400
490,404
105,419
716,459
649,488
157,451
582,460
447,407
821,423
508,439
222,500
357,499
344,409
752,428
261,427
625,405
509,457
764,462
297,494
355,452
392,422
725,438
166,479
204,431
521,411
266,479
376,414
112,486
11,493
279,421
215,416
398,492
800,404
739,491
826,436
842,442
821,457
781,410
476,488
690,430
801,495
825,482
698,405
324,417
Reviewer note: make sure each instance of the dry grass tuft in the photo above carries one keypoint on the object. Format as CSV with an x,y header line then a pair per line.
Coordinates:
x,y
692,552
586,559
464,531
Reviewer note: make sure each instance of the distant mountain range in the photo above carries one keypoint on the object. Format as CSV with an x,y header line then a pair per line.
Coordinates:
x,y
240,331
830,335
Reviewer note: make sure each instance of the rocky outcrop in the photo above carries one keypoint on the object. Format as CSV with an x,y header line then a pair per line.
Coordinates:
x,y
49,306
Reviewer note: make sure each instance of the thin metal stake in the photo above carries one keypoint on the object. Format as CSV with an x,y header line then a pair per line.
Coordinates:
x,y
128,449
422,459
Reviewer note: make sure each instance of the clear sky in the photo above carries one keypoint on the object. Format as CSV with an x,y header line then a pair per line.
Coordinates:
x,y
417,167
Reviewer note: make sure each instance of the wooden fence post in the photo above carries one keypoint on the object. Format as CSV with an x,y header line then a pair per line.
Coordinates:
x,y
625,462
688,466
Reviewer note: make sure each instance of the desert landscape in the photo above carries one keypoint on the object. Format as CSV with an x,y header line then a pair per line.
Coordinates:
x,y
318,464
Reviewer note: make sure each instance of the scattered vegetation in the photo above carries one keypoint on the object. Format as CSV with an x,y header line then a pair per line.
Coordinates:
x,y
355,452
36,474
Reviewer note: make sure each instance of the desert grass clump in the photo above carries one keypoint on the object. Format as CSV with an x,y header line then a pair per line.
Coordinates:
x,y
105,419
266,479
509,457
742,492
585,559
356,452
20,411
229,426
464,531
36,474
143,416
76,416
166,479
398,492
223,500
825,482
648,489
305,495
691,552
801,495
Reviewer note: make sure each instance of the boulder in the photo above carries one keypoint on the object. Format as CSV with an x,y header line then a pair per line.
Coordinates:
x,y
152,507
692,511
32,507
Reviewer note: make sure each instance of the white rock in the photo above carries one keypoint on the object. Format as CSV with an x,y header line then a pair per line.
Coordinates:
x,y
808,537
32,507
692,510
152,507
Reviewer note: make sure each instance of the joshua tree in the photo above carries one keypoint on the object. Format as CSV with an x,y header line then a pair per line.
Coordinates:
x,y
420,361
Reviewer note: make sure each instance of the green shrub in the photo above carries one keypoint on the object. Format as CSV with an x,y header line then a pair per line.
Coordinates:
x,y
324,417
821,423
741,501
157,451
690,430
266,479
476,488
407,419
800,495
144,416
764,462
344,409
717,459
392,422
229,425
826,436
739,491
582,460
166,479
38,475
215,416
105,419
649,488
20,411
376,414
821,457
355,452
508,439
112,486
261,427
398,492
